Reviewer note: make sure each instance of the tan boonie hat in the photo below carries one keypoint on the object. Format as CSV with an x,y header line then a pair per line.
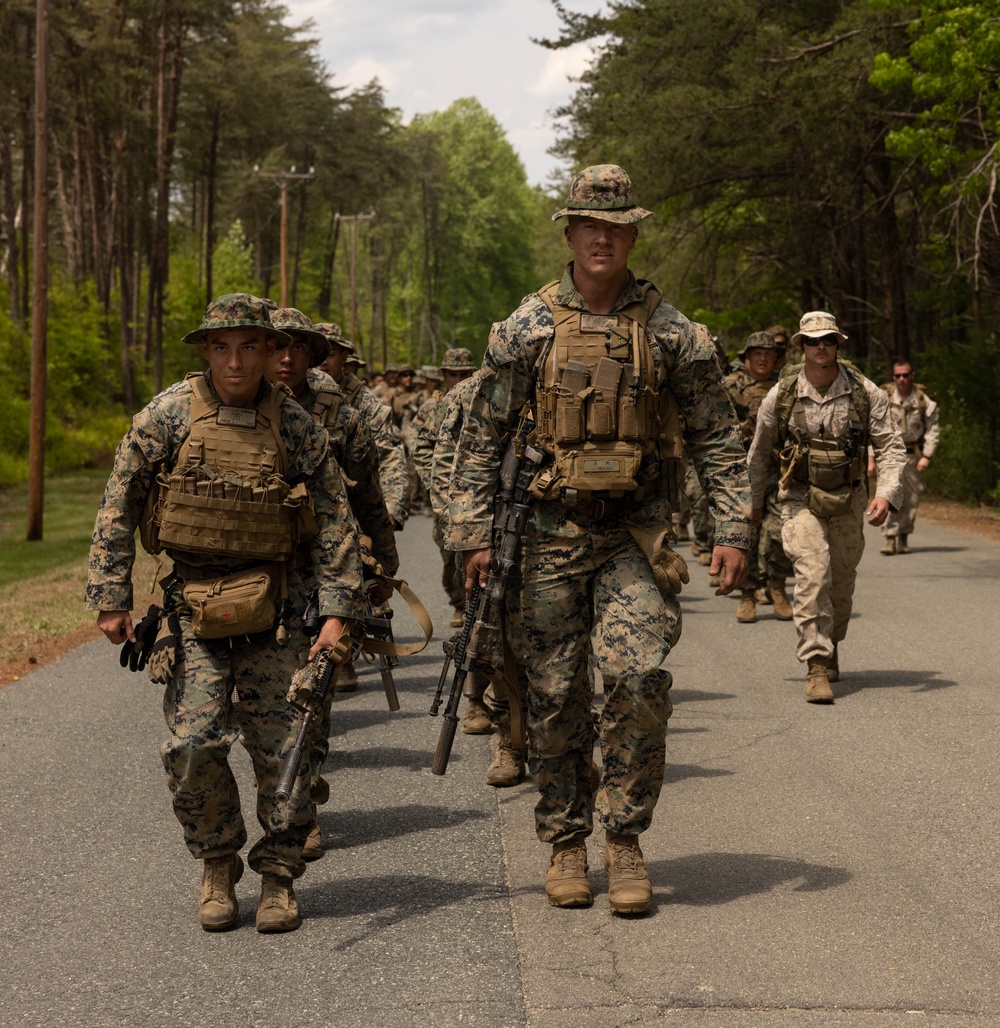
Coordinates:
x,y
431,372
238,310
818,323
458,358
603,191
759,341
334,334
295,323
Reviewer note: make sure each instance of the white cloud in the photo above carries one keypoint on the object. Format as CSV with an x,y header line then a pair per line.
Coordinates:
x,y
560,66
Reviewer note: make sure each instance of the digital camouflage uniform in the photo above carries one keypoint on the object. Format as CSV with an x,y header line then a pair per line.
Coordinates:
x,y
767,559
825,551
917,421
583,574
201,713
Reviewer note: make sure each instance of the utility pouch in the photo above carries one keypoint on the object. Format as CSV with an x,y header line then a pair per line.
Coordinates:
x,y
238,604
829,503
569,407
829,466
594,467
628,404
602,409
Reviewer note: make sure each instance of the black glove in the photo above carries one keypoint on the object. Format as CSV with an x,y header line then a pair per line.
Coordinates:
x,y
135,654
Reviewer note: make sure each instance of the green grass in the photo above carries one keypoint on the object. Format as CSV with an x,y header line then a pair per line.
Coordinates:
x,y
70,507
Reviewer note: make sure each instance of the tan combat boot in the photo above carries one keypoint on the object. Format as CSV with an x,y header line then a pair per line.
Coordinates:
x,y
278,910
889,546
782,606
507,767
476,719
346,678
818,682
566,883
704,558
217,906
833,665
457,619
901,546
746,613
313,848
629,888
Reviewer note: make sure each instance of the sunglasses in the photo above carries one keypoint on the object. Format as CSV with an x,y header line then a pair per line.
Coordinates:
x,y
820,342
908,374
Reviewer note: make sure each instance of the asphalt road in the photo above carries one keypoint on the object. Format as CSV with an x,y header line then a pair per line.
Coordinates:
x,y
816,866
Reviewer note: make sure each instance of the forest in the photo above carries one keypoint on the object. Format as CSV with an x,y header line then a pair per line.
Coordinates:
x,y
798,155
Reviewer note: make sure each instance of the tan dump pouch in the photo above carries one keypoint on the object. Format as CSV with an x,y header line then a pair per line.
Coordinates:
x,y
239,604
609,466
213,524
829,480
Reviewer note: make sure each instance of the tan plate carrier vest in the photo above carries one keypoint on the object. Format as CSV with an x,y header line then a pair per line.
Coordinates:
x,y
598,411
227,493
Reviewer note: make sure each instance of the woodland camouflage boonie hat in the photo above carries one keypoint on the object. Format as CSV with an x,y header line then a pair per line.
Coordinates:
x,y
404,369
458,358
603,191
295,323
353,358
238,310
334,334
817,323
759,341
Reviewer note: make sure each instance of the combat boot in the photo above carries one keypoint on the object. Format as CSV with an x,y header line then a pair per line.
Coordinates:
x,y
901,546
566,883
629,888
762,595
457,619
833,665
346,678
313,848
507,767
746,613
818,682
476,719
715,581
278,910
704,558
782,606
217,906
889,546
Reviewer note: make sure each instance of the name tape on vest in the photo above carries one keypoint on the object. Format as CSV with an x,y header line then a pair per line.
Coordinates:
x,y
241,417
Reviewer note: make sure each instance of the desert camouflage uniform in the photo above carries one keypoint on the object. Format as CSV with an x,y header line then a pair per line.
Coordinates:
x,y
393,467
920,431
825,551
198,706
767,559
584,575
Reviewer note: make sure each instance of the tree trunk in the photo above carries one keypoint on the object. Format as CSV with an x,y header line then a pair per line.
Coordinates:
x,y
329,256
897,335
10,216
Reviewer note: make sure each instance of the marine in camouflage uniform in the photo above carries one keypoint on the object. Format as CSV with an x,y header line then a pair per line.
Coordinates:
x,y
458,364
393,467
352,446
585,581
813,416
915,413
200,675
769,566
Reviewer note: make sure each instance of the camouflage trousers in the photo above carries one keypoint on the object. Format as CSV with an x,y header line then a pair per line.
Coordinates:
x,y
702,522
588,594
902,522
768,559
825,553
222,691
452,572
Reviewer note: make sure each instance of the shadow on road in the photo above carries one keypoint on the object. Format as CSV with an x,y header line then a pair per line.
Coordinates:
x,y
348,829
891,678
678,772
706,879
380,757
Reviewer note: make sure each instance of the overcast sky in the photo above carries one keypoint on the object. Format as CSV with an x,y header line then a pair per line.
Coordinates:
x,y
429,53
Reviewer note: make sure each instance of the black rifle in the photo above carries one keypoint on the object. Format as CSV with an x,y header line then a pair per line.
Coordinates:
x,y
480,637
307,697
378,625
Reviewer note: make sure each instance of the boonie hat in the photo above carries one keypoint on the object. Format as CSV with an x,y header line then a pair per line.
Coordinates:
x,y
238,310
817,323
353,358
759,341
431,372
295,323
603,191
458,358
334,334
404,369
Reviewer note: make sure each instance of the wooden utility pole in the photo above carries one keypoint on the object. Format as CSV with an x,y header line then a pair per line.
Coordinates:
x,y
40,281
283,178
352,263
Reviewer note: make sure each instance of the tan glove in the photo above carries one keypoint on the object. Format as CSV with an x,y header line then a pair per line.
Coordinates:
x,y
669,567
164,653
